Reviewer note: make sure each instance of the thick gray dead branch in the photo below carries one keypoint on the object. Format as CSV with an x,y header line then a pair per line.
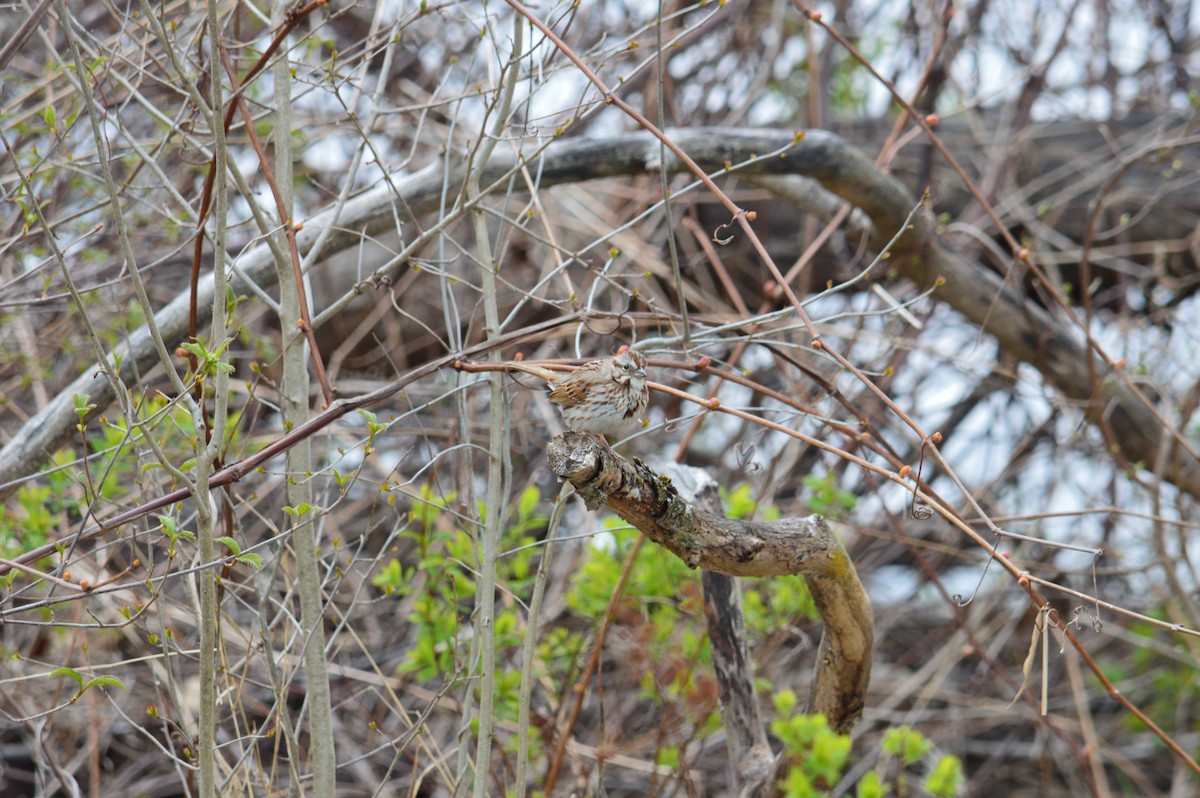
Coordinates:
x,y
702,539
1021,328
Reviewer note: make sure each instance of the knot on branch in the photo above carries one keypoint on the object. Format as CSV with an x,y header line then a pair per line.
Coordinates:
x,y
587,463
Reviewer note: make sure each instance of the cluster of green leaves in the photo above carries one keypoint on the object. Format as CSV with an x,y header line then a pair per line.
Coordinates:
x,y
769,604
116,458
443,555
827,498
662,606
655,584
442,580
112,459
819,758
116,448
44,507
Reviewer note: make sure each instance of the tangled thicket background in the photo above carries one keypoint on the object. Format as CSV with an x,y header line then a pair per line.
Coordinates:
x,y
391,131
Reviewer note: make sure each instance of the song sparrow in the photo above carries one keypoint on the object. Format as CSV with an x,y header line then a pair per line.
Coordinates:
x,y
601,397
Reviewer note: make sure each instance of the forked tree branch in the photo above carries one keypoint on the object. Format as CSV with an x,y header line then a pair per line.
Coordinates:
x,y
807,546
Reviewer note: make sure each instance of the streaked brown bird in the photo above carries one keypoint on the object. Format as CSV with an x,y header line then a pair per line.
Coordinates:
x,y
601,397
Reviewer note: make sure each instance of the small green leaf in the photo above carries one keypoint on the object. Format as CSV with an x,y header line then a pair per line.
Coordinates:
x,y
230,544
74,674
82,406
870,786
251,559
785,702
299,511
528,502
104,681
947,777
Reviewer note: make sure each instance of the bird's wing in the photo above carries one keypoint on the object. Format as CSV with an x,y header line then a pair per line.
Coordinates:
x,y
537,371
